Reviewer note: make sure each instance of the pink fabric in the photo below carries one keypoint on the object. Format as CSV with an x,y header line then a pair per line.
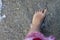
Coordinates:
x,y
38,36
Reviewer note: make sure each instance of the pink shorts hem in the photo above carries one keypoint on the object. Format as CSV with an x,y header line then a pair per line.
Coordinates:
x,y
39,35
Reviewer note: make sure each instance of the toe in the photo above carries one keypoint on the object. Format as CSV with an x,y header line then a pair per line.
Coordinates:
x,y
44,11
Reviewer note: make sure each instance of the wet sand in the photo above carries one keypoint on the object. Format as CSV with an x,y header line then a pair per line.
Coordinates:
x,y
19,15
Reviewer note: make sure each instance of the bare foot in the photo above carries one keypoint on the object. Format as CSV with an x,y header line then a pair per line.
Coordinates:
x,y
37,20
38,17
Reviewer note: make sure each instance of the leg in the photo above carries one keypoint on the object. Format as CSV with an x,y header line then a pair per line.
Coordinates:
x,y
37,20
34,33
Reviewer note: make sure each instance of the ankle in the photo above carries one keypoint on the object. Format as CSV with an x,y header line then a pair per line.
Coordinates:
x,y
34,27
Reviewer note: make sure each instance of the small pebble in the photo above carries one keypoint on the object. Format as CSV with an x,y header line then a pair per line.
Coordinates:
x,y
2,17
